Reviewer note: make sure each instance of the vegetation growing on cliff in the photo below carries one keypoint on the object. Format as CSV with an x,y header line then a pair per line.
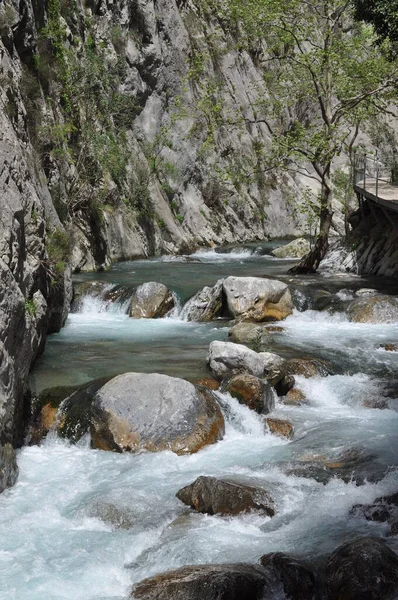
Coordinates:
x,y
325,79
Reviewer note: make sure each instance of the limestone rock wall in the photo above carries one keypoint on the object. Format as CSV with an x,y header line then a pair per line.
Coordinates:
x,y
192,141
32,301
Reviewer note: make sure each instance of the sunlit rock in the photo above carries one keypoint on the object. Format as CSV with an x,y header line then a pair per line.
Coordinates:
x,y
226,358
138,411
374,309
280,427
295,249
255,393
257,299
151,301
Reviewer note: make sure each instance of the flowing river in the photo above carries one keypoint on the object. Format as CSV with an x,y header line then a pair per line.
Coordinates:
x,y
84,524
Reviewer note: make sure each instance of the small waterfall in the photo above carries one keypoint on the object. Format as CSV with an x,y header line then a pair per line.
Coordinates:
x,y
175,313
110,299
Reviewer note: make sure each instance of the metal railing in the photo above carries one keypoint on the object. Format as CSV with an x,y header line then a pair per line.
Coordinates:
x,y
370,172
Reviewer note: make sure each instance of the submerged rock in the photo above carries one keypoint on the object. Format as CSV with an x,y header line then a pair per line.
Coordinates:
x,y
374,309
309,367
138,411
87,288
256,299
298,582
8,467
280,427
294,397
365,569
383,510
151,300
255,393
352,464
389,347
254,335
205,305
226,358
205,582
218,496
295,249
118,518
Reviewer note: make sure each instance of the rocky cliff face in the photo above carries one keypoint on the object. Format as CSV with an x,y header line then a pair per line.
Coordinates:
x,y
142,115
34,291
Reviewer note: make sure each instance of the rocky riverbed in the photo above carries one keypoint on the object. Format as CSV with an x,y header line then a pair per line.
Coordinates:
x,y
272,463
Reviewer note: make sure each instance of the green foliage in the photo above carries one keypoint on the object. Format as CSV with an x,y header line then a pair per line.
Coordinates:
x,y
58,249
8,17
256,342
309,208
383,15
139,197
30,307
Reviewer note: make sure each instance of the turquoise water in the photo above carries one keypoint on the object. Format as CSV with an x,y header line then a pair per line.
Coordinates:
x,y
84,524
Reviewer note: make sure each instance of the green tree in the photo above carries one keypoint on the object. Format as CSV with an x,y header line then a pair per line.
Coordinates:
x,y
325,78
383,15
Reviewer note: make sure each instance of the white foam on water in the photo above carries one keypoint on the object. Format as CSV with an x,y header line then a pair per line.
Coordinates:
x,y
52,547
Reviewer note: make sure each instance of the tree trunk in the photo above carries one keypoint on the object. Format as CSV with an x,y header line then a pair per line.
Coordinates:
x,y
311,261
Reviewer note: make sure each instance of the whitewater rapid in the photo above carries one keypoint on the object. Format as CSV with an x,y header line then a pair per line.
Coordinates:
x,y
83,524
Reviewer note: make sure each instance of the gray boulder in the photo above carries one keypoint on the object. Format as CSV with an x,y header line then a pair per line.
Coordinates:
x,y
151,301
219,497
257,299
138,411
254,335
8,467
255,393
205,582
226,358
295,249
205,305
274,367
374,309
363,569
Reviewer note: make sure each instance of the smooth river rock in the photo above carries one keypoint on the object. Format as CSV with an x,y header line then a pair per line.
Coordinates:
x,y
205,582
227,358
205,305
280,427
151,301
257,299
295,249
274,367
255,393
374,309
220,497
365,569
254,335
139,411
